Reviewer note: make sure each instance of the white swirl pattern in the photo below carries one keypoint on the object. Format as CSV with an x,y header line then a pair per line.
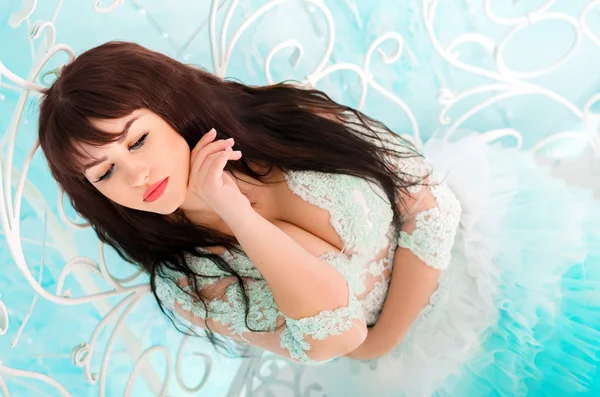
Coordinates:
x,y
503,82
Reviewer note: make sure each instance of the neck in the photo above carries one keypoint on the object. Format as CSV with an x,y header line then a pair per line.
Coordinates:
x,y
198,211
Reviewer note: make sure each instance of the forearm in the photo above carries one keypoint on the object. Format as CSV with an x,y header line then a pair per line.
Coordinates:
x,y
375,345
302,284
411,286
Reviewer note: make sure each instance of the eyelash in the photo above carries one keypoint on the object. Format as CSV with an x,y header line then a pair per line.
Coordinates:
x,y
140,142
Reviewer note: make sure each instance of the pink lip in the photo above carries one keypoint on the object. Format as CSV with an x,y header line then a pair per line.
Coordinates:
x,y
156,190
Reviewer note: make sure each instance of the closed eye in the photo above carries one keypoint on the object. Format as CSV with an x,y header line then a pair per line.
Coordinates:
x,y
140,142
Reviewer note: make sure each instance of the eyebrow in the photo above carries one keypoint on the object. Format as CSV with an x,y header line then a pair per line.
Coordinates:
x,y
120,140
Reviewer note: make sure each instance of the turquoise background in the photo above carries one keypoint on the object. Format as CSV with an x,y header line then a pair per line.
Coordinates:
x,y
416,77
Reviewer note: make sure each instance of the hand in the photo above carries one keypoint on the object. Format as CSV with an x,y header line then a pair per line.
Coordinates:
x,y
208,180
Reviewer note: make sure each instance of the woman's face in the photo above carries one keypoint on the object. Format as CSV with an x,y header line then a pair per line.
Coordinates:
x,y
128,170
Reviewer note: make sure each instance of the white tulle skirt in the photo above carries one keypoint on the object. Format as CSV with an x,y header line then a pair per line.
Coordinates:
x,y
518,310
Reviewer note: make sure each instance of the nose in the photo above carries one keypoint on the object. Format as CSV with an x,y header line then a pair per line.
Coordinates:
x,y
137,174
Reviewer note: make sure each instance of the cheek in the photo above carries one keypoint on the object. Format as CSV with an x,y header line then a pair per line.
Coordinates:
x,y
109,192
180,150
118,194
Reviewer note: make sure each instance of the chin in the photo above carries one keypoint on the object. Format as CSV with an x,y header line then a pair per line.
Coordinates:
x,y
174,204
171,210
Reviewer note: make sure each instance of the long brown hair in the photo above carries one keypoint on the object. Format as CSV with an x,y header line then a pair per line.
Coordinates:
x,y
278,125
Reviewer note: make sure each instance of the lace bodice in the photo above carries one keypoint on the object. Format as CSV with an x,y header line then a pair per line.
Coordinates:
x,y
361,214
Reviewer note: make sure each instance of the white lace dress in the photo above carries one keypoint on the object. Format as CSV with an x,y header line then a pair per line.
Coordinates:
x,y
491,328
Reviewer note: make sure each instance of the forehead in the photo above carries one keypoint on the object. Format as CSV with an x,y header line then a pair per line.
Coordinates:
x,y
117,125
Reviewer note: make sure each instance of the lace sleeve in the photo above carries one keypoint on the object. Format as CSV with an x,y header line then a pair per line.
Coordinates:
x,y
430,211
431,214
311,340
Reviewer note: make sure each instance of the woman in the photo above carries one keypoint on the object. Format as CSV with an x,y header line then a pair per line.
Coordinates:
x,y
324,237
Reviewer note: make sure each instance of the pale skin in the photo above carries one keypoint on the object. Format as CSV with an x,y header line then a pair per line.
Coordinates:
x,y
131,166
129,169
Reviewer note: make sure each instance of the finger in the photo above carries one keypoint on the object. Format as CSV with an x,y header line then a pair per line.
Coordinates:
x,y
216,163
204,163
213,147
219,164
227,154
208,170
205,140
219,145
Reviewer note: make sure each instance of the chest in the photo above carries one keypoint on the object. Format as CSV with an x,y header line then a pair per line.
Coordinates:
x,y
309,224
329,212
325,212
